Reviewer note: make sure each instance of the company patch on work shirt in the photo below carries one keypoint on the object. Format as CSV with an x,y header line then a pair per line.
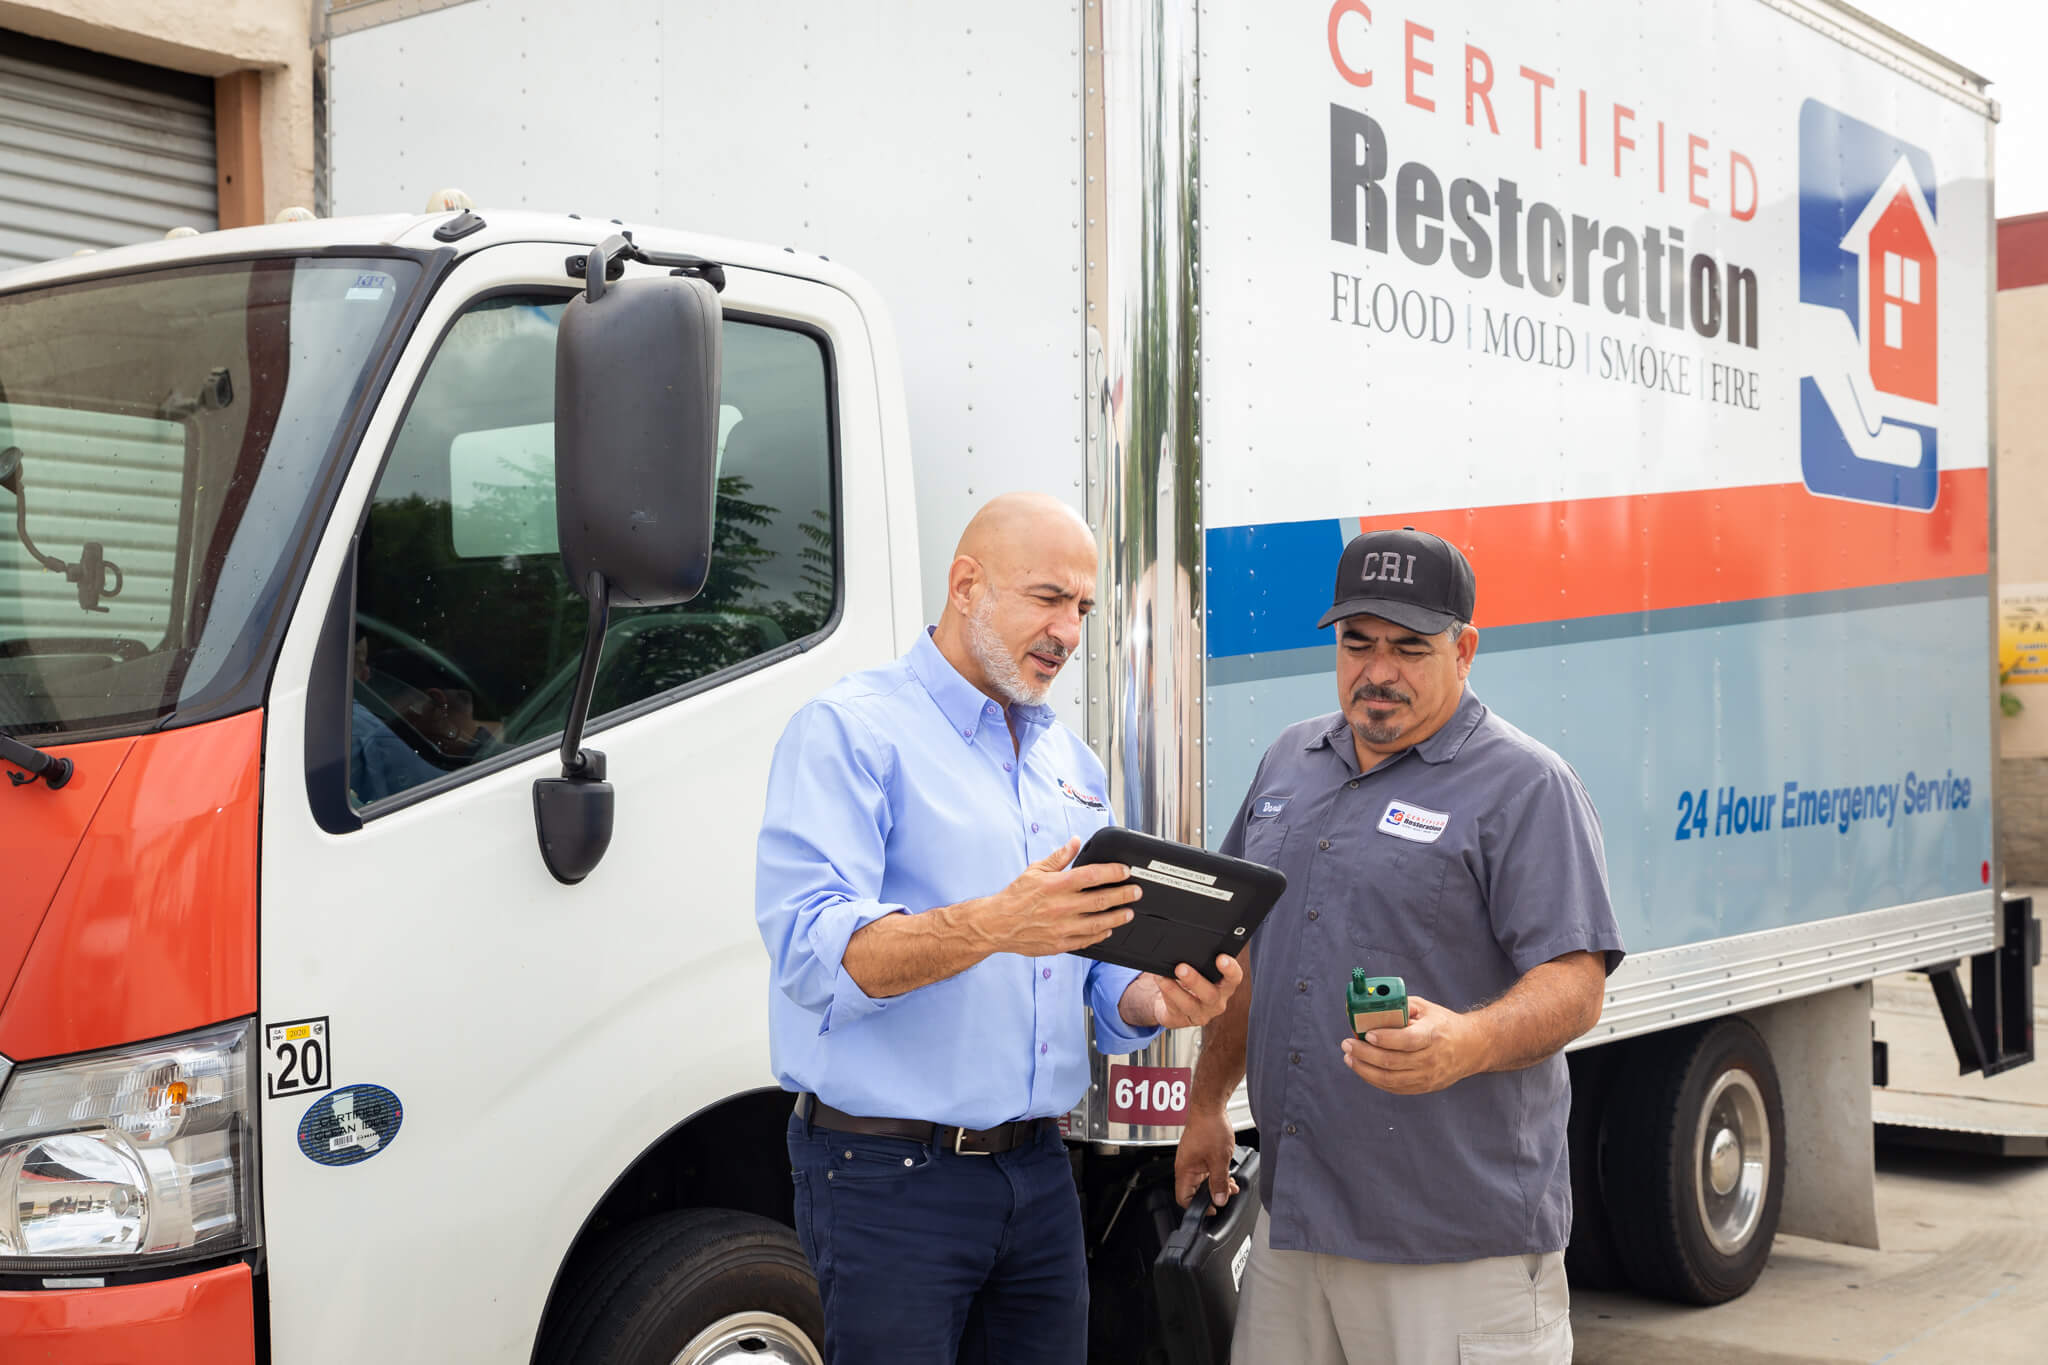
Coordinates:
x,y
1074,793
1405,820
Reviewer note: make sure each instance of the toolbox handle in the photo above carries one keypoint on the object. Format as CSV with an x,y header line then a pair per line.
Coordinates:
x,y
1190,1230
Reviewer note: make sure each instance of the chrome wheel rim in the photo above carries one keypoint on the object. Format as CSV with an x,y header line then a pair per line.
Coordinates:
x,y
752,1338
1731,1152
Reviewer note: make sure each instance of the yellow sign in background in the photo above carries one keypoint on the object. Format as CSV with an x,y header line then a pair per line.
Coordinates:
x,y
2023,633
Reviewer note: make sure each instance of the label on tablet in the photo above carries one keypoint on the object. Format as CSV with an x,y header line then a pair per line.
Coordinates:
x,y
1214,893
1186,873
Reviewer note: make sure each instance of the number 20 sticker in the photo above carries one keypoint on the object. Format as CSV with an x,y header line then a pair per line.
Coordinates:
x,y
297,1058
1148,1094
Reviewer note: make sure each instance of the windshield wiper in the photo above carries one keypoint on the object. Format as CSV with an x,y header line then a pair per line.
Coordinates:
x,y
95,574
54,771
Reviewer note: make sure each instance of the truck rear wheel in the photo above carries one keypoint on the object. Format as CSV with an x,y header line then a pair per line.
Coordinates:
x,y
699,1287
1693,1165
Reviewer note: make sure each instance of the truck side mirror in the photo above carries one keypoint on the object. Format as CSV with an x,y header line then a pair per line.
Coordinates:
x,y
637,367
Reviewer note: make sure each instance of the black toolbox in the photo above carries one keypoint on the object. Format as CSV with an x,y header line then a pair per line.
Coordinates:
x,y
1198,1274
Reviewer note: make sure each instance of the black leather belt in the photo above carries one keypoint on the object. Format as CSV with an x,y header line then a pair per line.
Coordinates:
x,y
944,1136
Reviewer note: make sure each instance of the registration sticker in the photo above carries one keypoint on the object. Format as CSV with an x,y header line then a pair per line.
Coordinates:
x,y
353,1124
368,285
298,1057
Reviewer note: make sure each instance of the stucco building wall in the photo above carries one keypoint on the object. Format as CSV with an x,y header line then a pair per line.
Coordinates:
x,y
2021,320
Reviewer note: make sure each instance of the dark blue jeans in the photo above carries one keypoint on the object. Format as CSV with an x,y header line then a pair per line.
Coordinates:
x,y
928,1258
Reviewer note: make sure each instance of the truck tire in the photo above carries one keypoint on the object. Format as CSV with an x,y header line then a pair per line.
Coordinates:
x,y
1693,1162
699,1287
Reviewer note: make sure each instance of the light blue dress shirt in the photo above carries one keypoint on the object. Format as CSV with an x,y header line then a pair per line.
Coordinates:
x,y
897,790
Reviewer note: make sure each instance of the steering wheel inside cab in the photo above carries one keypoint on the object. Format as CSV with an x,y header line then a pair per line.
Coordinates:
x,y
436,717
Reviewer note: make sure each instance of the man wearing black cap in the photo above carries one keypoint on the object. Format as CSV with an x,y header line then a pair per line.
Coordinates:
x,y
1414,1189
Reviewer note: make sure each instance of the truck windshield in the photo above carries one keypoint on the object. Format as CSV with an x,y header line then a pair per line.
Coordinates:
x,y
161,439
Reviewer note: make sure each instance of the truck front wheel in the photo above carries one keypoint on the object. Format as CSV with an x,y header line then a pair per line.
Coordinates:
x,y
1693,1165
699,1287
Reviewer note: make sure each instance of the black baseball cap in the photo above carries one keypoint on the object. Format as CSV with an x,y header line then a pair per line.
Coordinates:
x,y
1409,577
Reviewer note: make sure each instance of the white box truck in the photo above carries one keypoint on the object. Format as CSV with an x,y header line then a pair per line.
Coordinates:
x,y
1674,317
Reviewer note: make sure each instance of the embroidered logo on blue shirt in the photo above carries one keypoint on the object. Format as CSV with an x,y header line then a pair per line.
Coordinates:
x,y
1091,802
1268,807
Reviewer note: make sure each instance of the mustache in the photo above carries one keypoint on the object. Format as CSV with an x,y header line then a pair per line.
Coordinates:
x,y
1050,648
1373,692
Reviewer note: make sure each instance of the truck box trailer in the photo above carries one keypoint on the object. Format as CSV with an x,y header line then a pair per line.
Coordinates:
x,y
1674,318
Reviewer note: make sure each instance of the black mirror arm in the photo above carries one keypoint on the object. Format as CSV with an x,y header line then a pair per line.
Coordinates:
x,y
615,250
572,814
575,762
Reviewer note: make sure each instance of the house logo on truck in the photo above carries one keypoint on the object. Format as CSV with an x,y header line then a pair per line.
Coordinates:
x,y
1868,282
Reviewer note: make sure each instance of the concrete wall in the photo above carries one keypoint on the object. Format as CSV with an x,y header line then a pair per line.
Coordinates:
x,y
207,38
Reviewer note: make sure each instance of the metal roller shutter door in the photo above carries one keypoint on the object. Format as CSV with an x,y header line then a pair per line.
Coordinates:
x,y
97,152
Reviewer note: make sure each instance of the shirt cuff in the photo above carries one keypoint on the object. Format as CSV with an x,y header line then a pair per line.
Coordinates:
x,y
831,928
1106,986
1528,957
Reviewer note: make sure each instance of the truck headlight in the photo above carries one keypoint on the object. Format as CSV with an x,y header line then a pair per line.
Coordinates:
x,y
129,1155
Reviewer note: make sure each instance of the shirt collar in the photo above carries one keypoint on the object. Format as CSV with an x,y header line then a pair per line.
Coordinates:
x,y
1441,747
963,704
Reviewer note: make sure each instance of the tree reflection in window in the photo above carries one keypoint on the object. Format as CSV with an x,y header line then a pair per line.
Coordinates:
x,y
469,632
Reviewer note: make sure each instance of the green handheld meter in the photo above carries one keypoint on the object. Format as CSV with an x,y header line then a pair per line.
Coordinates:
x,y
1376,1002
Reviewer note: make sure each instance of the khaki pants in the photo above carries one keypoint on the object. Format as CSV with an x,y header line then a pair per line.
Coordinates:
x,y
1301,1308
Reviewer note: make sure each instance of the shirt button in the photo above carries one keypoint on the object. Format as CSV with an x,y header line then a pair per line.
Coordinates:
x,y
1301,986
967,734
1042,1048
1315,914
1291,1130
1034,827
1006,767
1352,785
1047,973
1324,845
1294,1057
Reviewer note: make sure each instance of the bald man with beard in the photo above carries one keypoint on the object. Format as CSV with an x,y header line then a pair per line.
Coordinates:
x,y
915,893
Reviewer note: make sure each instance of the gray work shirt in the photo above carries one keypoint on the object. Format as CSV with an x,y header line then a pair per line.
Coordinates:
x,y
1458,865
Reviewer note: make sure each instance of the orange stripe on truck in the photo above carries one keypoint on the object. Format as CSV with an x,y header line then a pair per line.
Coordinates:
x,y
1568,560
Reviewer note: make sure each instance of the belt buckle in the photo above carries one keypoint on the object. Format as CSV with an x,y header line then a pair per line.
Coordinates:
x,y
960,1136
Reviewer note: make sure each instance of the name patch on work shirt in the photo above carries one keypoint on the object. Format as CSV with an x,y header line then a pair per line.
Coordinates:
x,y
1268,807
1412,822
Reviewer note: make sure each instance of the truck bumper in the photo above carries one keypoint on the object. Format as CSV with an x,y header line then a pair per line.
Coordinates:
x,y
204,1319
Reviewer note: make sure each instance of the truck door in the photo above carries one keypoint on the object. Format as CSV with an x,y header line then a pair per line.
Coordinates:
x,y
462,1053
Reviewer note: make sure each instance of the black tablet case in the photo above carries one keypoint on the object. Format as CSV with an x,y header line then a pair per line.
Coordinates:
x,y
1181,918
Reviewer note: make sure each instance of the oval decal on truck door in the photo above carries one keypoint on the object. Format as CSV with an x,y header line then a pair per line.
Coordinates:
x,y
349,1125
